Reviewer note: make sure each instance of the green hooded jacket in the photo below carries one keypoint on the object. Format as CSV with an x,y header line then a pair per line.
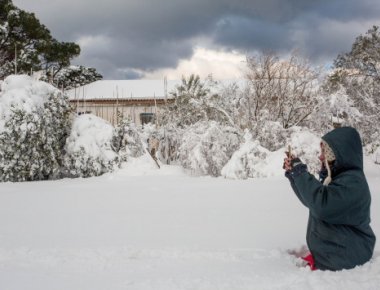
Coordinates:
x,y
339,235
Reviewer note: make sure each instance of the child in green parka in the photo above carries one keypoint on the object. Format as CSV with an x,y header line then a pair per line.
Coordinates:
x,y
339,235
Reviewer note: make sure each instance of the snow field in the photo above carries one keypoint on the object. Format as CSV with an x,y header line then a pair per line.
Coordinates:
x,y
143,228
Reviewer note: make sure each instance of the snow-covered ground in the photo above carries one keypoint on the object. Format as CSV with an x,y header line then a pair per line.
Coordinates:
x,y
144,228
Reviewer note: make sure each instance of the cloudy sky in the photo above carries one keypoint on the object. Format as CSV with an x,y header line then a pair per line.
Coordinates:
x,y
127,39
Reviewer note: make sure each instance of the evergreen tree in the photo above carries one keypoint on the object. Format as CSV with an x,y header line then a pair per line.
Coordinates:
x,y
364,57
73,76
57,55
194,101
357,72
27,44
187,107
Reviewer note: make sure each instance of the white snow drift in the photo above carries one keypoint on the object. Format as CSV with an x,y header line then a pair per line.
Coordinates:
x,y
144,228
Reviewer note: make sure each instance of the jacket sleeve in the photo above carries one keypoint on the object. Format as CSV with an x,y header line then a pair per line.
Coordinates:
x,y
296,191
332,203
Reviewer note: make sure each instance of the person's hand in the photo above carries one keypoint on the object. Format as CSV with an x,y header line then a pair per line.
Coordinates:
x,y
287,163
290,162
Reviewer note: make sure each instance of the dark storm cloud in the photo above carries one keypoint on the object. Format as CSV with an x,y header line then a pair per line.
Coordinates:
x,y
123,38
320,29
131,54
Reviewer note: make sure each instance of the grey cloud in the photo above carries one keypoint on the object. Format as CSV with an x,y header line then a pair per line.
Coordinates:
x,y
347,10
247,34
132,54
129,74
320,31
150,34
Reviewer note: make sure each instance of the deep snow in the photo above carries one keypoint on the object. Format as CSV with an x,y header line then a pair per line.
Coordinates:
x,y
144,228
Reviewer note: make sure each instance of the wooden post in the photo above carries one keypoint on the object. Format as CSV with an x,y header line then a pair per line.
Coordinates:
x,y
155,110
15,58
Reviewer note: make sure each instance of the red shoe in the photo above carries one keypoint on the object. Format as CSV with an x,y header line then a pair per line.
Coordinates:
x,y
310,261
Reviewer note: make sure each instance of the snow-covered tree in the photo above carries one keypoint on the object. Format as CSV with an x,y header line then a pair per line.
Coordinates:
x,y
358,72
187,108
364,57
89,148
336,109
34,124
196,101
207,146
282,90
226,106
27,46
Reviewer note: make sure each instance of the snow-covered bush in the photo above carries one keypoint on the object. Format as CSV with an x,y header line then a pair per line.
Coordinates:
x,y
373,149
127,141
169,137
304,142
207,146
271,135
247,161
34,121
305,145
254,161
170,140
374,145
89,149
376,156
170,143
335,109
147,131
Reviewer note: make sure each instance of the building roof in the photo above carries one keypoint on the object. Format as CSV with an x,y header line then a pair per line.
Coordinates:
x,y
122,89
130,89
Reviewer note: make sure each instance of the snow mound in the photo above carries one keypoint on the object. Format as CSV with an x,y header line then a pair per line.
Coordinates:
x,y
16,82
21,92
88,148
146,166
